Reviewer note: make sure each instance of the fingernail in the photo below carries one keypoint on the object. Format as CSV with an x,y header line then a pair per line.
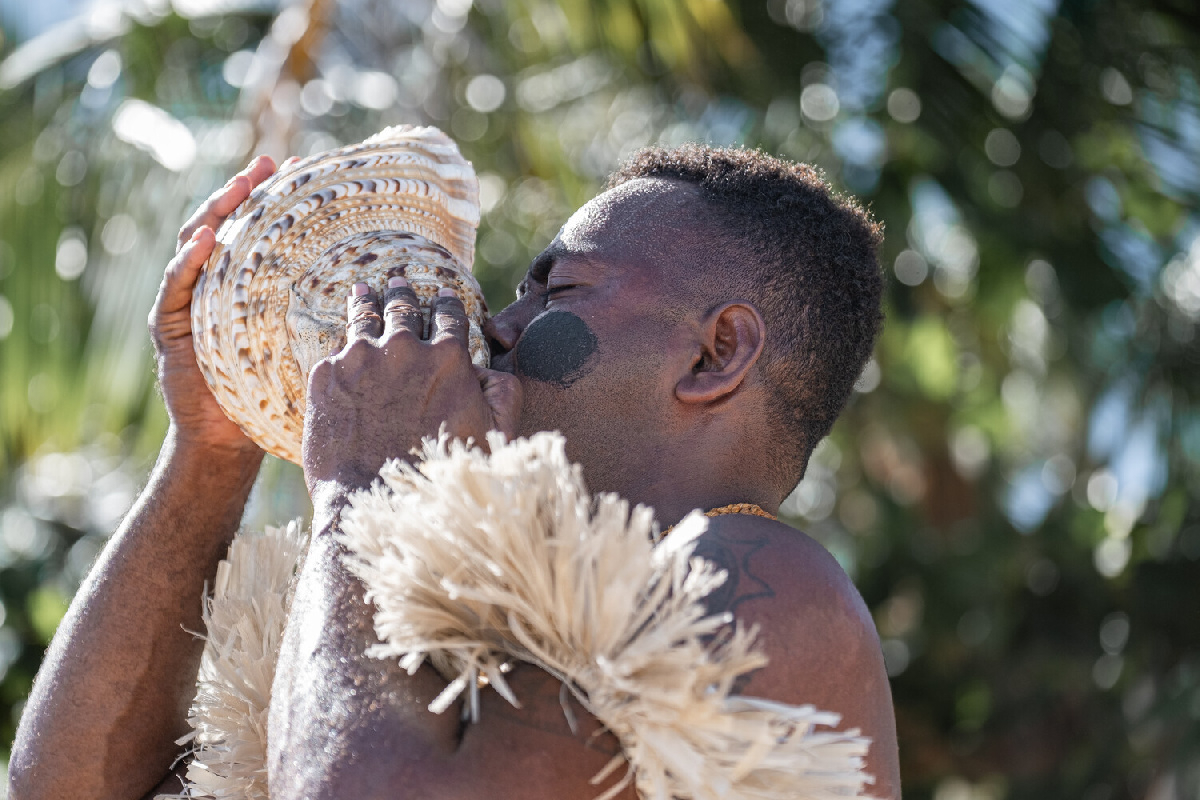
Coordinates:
x,y
446,291
359,290
397,282
196,235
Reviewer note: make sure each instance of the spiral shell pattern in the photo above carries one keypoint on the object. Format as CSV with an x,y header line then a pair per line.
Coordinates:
x,y
271,300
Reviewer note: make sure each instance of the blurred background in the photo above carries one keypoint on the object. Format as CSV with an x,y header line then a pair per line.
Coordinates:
x,y
1014,487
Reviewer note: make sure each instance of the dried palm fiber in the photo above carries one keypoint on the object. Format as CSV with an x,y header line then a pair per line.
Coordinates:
x,y
244,619
271,300
473,560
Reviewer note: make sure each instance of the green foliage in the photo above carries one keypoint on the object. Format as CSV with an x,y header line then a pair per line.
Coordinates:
x,y
1015,486
47,605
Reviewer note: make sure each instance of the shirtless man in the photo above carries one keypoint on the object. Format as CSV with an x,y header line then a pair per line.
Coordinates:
x,y
694,331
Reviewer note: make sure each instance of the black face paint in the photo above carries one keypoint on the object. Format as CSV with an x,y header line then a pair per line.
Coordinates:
x,y
555,348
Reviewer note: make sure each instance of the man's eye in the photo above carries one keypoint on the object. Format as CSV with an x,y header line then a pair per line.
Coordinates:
x,y
551,291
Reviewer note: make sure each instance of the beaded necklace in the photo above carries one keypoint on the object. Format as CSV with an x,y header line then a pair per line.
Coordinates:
x,y
753,509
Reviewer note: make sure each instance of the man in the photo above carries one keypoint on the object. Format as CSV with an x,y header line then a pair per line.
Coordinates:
x,y
693,331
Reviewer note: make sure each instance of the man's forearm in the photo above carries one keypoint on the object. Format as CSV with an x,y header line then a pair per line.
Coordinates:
x,y
113,690
330,698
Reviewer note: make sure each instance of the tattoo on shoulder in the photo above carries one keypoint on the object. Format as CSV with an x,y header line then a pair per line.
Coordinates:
x,y
734,552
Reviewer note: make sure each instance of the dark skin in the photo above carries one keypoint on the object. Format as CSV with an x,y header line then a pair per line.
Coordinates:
x,y
666,408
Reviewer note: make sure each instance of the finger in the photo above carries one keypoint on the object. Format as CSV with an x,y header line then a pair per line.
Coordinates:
x,y
222,202
175,293
290,161
449,318
363,320
401,309
259,170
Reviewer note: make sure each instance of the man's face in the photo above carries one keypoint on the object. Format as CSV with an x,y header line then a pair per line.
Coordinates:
x,y
590,333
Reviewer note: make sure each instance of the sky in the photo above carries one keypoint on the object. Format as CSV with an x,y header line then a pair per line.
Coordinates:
x,y
26,18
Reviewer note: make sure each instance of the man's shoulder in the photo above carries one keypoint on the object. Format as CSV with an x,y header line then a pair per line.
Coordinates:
x,y
771,564
813,626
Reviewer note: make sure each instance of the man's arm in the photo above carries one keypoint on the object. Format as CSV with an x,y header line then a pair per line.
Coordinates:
x,y
113,691
347,725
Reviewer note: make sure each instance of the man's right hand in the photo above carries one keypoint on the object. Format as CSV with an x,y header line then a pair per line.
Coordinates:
x,y
195,417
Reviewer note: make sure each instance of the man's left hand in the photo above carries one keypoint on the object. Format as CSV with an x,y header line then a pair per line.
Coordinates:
x,y
392,385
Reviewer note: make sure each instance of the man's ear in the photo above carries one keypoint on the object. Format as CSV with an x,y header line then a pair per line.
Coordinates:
x,y
731,340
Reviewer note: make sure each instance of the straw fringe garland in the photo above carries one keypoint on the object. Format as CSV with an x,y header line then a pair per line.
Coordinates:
x,y
473,560
244,619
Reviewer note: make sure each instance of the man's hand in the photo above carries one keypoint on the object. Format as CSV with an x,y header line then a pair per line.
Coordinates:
x,y
193,411
392,385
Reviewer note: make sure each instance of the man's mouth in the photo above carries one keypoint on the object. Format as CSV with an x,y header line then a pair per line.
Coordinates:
x,y
503,363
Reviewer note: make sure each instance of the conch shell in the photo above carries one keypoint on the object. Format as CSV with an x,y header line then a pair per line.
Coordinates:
x,y
271,300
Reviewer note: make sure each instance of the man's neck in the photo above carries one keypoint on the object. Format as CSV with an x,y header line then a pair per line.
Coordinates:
x,y
700,482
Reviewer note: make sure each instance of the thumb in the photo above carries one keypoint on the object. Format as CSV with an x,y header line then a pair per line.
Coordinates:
x,y
502,393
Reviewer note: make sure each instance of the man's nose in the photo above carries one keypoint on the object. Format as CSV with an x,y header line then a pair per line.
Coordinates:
x,y
503,330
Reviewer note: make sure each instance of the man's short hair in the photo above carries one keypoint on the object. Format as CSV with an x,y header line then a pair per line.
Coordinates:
x,y
806,256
